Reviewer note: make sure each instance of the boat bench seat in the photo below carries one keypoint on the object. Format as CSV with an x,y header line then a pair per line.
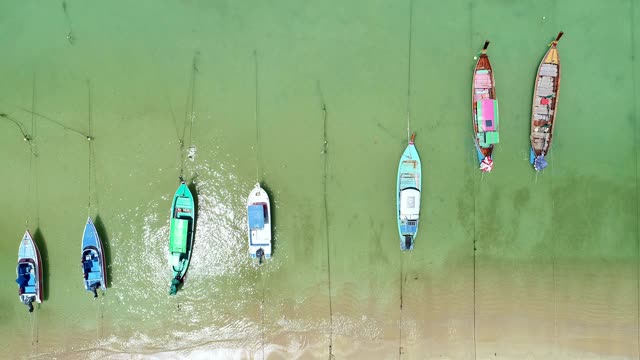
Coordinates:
x,y
95,266
184,203
30,289
408,229
409,180
94,276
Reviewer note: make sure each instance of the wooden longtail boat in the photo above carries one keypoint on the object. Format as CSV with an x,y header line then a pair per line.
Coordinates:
x,y
484,107
545,105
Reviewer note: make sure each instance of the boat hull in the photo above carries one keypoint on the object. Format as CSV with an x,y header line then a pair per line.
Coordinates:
x,y
259,223
181,234
29,270
546,94
92,259
408,189
485,123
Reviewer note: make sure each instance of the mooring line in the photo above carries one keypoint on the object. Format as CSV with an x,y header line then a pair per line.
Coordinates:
x,y
34,154
25,136
28,138
409,71
410,48
90,140
255,116
325,145
262,332
177,129
635,137
192,112
44,117
475,249
99,324
70,37
36,180
31,150
35,333
400,349
28,194
189,116
477,186
32,325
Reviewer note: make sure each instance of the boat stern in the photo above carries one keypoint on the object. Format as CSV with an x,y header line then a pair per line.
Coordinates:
x,y
407,230
258,251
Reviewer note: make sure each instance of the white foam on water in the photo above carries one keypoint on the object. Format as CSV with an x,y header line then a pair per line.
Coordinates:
x,y
191,152
364,329
189,324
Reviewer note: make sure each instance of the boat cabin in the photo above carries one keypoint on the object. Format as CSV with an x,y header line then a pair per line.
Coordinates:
x,y
26,277
409,204
91,265
258,216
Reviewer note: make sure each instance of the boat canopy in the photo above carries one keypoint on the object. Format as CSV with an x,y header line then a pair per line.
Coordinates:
x,y
178,239
487,122
540,163
410,203
256,217
26,278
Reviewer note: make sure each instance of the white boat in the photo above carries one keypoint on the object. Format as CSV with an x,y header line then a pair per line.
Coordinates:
x,y
29,272
259,223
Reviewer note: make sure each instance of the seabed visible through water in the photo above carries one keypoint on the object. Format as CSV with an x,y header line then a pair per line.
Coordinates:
x,y
311,98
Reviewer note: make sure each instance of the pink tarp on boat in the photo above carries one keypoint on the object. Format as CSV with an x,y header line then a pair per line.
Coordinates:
x,y
482,81
488,115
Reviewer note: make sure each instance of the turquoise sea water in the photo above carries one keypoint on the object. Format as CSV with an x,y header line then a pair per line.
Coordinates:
x,y
555,270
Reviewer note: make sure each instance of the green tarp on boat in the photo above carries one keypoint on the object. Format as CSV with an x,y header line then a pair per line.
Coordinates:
x,y
178,239
487,139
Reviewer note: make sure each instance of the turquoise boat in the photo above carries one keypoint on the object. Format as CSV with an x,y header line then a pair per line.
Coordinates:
x,y
29,272
408,195
181,237
93,264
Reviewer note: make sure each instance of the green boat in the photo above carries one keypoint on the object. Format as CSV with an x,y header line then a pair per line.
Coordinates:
x,y
181,238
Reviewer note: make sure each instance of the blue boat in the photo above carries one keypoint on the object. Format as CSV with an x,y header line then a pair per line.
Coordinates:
x,y
93,264
29,272
408,195
181,237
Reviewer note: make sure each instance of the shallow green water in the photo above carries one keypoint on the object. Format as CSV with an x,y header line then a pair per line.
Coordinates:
x,y
556,266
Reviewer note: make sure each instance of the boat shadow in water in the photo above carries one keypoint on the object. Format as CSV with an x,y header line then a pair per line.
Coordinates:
x,y
38,238
106,246
265,186
194,192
